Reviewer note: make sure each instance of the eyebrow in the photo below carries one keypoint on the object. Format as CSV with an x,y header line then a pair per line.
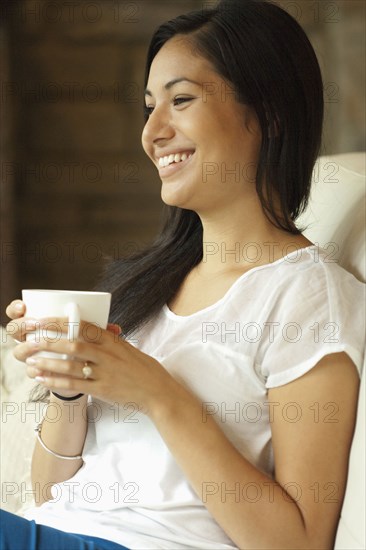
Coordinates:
x,y
172,83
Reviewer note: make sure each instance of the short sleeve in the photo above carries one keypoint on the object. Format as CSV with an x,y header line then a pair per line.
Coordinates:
x,y
317,311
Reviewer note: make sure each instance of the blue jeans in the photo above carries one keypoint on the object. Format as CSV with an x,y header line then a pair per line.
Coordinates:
x,y
17,533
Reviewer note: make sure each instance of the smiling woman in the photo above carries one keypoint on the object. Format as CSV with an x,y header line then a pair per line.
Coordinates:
x,y
209,401
184,118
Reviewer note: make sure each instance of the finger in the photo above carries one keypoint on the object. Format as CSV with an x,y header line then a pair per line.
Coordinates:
x,y
77,350
58,326
32,372
83,330
47,367
115,329
19,328
25,350
54,325
15,309
46,341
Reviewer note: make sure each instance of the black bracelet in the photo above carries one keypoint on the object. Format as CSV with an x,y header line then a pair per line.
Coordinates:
x,y
72,398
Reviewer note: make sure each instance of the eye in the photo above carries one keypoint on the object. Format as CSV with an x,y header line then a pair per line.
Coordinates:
x,y
180,100
148,109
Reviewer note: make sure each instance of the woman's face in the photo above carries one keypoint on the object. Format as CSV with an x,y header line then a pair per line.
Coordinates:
x,y
204,143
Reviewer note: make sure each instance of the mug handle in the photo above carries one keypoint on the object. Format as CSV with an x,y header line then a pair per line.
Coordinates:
x,y
73,313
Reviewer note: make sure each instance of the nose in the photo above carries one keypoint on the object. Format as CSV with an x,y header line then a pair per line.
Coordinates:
x,y
158,128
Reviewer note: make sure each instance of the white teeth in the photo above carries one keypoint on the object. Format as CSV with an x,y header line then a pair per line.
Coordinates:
x,y
178,157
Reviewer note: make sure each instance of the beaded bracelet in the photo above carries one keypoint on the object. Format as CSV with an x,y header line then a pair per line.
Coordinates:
x,y
38,432
72,398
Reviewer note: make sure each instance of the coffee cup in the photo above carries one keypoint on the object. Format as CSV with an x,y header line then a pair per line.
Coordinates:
x,y
73,306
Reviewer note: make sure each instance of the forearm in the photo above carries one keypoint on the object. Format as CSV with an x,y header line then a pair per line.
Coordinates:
x,y
220,476
63,431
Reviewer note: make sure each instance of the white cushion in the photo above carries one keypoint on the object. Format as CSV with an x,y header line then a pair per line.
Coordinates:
x,y
17,438
335,218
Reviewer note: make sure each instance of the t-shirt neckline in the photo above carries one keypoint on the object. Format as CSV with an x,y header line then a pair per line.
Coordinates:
x,y
175,316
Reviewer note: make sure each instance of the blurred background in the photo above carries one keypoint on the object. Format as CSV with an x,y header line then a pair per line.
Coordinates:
x,y
75,184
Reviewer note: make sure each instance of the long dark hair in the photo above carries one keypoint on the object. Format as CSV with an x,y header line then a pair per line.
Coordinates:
x,y
265,54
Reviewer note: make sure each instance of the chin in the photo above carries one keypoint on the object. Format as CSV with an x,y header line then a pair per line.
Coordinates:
x,y
182,193
173,199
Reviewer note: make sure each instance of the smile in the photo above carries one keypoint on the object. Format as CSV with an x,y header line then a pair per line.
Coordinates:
x,y
170,164
174,158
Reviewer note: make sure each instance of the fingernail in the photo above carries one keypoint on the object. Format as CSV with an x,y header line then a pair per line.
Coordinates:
x,y
19,307
31,361
116,329
40,378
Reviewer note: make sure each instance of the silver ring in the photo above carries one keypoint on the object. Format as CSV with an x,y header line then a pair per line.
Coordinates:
x,y
87,370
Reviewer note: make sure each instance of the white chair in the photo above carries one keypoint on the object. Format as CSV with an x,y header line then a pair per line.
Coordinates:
x,y
336,220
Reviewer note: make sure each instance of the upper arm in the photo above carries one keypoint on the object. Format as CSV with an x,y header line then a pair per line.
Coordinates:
x,y
312,427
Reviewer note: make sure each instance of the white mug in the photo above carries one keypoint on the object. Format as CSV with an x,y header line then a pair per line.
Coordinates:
x,y
75,305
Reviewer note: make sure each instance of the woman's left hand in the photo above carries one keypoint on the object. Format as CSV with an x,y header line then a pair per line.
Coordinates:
x,y
119,373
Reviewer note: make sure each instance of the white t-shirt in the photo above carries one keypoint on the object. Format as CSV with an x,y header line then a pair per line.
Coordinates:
x,y
273,325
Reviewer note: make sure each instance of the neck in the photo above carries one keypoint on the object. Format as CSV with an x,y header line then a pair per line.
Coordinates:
x,y
240,238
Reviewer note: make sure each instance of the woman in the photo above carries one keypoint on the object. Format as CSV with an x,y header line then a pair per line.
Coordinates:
x,y
226,408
